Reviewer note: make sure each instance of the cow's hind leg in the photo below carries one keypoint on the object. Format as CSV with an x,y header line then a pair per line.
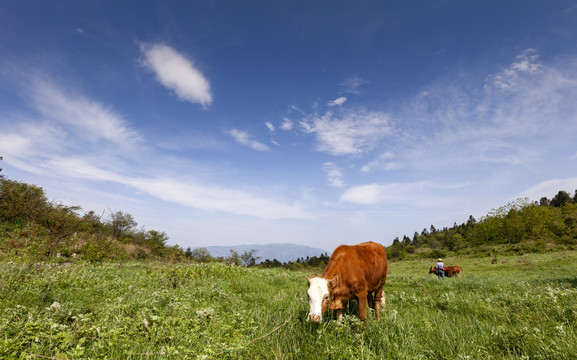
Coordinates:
x,y
371,300
380,301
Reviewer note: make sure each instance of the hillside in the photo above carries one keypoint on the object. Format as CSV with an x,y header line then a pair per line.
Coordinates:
x,y
521,226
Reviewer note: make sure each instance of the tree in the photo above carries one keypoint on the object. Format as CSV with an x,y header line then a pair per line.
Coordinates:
x,y
544,201
561,199
121,224
406,240
156,240
62,222
20,201
233,258
200,255
249,259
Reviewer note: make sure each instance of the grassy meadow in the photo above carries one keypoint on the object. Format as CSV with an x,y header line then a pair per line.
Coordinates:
x,y
510,307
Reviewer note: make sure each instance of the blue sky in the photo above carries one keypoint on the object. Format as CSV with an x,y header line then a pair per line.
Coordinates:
x,y
311,122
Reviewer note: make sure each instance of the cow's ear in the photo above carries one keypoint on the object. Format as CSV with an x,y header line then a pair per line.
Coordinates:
x,y
311,277
334,281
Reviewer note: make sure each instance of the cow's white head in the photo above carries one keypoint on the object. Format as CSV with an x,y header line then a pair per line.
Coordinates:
x,y
318,296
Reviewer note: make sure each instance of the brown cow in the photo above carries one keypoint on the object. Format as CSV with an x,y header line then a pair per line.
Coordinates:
x,y
449,271
353,272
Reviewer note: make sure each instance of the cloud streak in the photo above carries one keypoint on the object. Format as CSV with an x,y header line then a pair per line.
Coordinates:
x,y
246,139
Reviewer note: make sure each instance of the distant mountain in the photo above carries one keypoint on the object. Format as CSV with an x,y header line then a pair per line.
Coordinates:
x,y
281,252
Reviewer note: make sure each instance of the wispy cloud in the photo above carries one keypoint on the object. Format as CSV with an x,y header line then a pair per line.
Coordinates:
x,y
347,132
352,85
85,117
187,193
177,73
381,162
246,139
334,174
337,102
525,63
287,125
215,198
550,188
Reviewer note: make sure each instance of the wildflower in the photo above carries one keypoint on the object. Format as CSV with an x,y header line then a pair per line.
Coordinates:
x,y
55,306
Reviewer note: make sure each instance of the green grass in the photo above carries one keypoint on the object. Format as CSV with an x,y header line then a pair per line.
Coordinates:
x,y
501,308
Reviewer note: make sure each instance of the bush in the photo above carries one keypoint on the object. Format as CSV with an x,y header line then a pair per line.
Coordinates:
x,y
95,251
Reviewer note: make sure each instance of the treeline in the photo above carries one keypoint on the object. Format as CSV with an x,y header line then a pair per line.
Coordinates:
x,y
248,258
32,226
521,226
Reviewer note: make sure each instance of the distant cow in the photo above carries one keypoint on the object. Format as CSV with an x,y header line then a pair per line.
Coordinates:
x,y
353,272
449,271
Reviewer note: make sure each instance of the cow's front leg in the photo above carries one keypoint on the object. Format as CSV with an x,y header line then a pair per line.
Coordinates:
x,y
362,305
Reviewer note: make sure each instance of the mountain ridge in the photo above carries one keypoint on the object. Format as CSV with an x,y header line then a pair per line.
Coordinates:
x,y
283,252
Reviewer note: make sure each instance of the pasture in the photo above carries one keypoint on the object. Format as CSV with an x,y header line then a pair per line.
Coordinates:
x,y
507,308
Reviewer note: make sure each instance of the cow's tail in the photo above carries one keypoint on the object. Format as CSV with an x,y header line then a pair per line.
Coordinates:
x,y
383,301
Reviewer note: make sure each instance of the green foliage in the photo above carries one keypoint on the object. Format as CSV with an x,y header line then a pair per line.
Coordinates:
x,y
20,202
520,226
200,255
248,258
516,307
36,228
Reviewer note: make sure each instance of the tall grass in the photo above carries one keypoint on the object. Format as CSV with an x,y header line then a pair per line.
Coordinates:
x,y
505,308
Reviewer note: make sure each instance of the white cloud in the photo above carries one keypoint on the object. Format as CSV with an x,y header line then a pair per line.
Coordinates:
x,y
526,63
382,162
350,132
217,199
85,117
509,121
334,174
206,198
244,138
389,193
337,102
287,125
351,85
550,188
270,126
364,194
177,73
